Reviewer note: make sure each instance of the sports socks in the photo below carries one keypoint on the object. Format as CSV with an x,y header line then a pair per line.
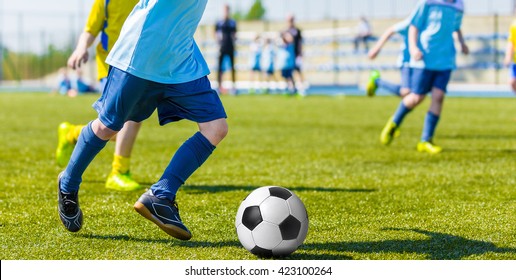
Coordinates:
x,y
87,147
393,88
400,113
431,121
120,164
190,156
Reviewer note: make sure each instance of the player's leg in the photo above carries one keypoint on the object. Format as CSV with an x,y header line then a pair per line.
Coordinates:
x,y
422,83
122,88
92,140
206,109
120,176
67,135
512,81
406,73
433,115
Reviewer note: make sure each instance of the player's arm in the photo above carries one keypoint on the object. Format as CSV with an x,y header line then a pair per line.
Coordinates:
x,y
413,35
463,46
92,29
80,54
509,54
381,42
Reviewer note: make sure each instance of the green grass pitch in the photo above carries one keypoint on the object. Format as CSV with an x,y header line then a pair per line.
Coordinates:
x,y
364,200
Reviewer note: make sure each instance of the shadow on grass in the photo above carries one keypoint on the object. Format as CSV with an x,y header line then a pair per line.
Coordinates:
x,y
233,188
438,246
171,241
230,188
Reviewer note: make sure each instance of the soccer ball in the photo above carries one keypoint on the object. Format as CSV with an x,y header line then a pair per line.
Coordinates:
x,y
271,221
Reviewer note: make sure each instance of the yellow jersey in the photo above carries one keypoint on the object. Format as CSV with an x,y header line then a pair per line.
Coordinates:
x,y
107,17
512,38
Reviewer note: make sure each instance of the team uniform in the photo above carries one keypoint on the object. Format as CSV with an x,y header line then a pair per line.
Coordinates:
x,y
155,64
287,63
436,21
298,45
256,57
226,30
106,18
512,40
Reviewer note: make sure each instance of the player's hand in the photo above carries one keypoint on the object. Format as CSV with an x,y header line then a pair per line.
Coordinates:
x,y
416,53
78,57
465,49
373,53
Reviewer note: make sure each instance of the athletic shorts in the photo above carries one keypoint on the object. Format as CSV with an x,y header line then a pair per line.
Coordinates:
x,y
406,73
287,73
130,98
102,84
423,80
512,71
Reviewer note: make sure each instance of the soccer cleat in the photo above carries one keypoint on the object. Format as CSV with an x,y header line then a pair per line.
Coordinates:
x,y
122,182
389,132
64,146
428,147
163,213
68,208
371,86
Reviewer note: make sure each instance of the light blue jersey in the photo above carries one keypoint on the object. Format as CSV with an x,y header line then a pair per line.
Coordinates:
x,y
436,21
402,28
156,42
286,57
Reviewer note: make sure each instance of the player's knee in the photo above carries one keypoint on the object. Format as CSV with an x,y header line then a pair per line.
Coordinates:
x,y
102,131
215,131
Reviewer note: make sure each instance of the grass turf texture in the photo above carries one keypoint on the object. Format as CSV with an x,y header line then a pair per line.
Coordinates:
x,y
365,201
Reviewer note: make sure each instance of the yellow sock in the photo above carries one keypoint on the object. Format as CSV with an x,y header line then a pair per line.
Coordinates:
x,y
73,134
120,164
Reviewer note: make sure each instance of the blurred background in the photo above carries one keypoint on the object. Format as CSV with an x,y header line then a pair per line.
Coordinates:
x,y
36,38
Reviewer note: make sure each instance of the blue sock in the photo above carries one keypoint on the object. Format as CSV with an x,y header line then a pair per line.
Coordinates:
x,y
393,88
87,147
431,121
400,113
190,156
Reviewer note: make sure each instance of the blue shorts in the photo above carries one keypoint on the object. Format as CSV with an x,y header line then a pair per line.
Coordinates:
x,y
127,97
102,84
287,73
406,73
512,71
423,80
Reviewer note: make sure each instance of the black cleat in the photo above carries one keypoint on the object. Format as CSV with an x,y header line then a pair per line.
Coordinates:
x,y
163,213
68,208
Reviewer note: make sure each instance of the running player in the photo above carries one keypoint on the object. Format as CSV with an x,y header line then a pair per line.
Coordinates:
x,y
106,18
155,64
510,58
432,58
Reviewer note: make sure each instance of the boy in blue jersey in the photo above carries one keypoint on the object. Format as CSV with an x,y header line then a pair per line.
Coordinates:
x,y
432,59
403,89
287,61
155,64
255,60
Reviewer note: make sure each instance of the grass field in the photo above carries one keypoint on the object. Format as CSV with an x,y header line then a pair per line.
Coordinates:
x,y
364,201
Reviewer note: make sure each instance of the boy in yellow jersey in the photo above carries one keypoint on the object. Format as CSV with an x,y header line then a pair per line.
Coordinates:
x,y
106,18
510,58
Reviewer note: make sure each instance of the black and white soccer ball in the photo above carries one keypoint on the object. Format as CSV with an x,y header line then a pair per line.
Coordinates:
x,y
271,222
